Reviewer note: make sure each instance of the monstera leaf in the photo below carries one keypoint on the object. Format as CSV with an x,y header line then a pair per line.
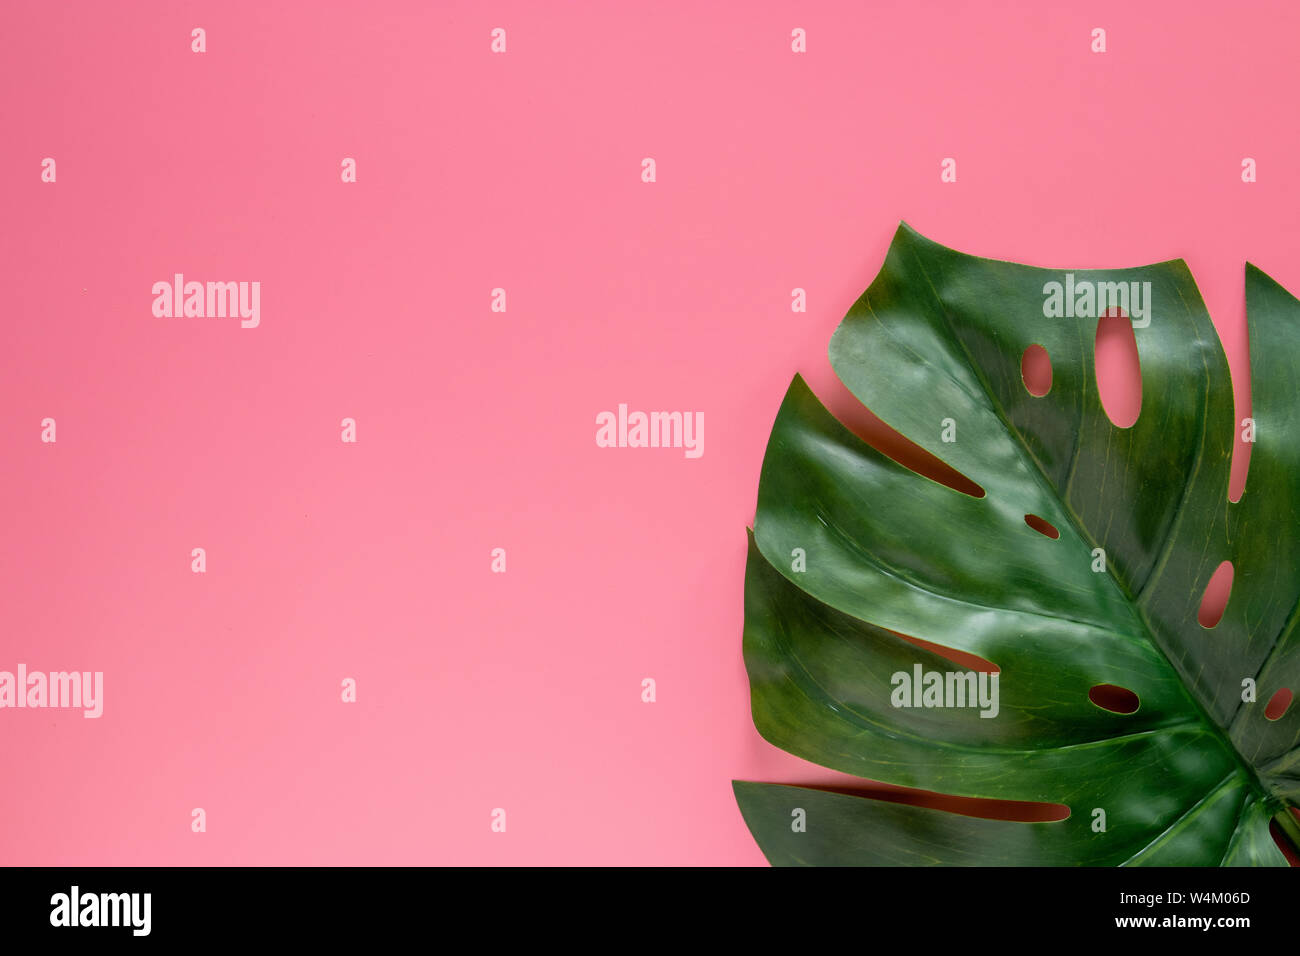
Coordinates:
x,y
852,554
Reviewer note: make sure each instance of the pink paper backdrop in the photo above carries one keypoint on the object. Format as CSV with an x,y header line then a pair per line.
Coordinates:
x,y
477,170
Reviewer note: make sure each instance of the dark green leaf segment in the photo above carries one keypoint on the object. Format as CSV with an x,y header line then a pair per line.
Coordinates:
x,y
850,549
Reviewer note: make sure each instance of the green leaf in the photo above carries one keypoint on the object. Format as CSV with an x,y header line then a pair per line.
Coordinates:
x,y
850,550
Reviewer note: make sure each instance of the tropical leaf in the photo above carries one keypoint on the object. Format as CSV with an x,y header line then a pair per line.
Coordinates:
x,y
852,554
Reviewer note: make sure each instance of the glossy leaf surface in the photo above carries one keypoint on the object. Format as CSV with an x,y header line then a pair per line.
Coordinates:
x,y
850,549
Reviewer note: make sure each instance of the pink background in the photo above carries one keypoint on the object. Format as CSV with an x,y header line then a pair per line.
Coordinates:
x,y
476,430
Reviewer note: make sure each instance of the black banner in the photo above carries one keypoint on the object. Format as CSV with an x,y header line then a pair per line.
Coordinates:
x,y
136,906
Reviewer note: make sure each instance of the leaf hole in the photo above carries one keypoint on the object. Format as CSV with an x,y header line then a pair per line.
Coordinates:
x,y
1112,697
1215,598
1036,370
984,808
1042,526
963,659
1278,704
892,443
1119,371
